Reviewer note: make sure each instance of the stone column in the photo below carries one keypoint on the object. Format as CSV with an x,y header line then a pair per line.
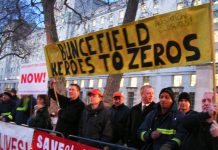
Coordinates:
x,y
204,83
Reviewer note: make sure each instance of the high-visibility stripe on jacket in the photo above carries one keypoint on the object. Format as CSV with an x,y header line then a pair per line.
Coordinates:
x,y
24,105
7,114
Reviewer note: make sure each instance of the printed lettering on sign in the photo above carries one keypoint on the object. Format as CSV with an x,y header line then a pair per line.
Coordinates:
x,y
178,38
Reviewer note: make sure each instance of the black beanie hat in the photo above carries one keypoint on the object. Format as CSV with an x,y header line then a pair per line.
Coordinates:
x,y
169,91
8,94
184,95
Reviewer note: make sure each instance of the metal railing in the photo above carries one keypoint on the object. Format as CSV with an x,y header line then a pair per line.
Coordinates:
x,y
102,145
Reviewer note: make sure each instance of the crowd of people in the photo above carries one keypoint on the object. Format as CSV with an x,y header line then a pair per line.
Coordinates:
x,y
147,125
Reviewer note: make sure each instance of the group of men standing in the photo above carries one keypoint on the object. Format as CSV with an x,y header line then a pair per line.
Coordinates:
x,y
147,125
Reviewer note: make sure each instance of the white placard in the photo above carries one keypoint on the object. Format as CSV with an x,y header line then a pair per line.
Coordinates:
x,y
33,79
15,137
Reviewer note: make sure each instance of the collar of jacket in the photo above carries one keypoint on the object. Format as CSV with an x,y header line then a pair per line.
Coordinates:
x,y
74,101
118,107
98,109
172,108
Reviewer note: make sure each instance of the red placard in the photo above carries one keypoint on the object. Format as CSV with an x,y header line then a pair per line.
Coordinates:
x,y
46,141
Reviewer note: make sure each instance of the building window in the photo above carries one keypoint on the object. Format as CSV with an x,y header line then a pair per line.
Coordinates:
x,y
146,80
121,82
91,83
130,99
133,82
67,83
93,23
197,2
216,79
102,20
177,80
111,19
74,82
100,82
180,5
193,80
143,8
121,14
82,83
216,36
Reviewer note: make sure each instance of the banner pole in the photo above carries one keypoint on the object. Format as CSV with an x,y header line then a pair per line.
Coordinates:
x,y
55,92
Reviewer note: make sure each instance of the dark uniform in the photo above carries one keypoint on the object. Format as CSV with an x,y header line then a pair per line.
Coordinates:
x,y
69,114
119,116
6,108
199,137
168,124
96,124
136,117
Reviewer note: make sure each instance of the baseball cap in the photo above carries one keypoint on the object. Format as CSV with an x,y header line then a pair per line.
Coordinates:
x,y
95,92
118,94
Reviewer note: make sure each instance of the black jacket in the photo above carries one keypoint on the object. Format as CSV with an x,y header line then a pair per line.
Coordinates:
x,y
119,116
199,137
135,119
69,115
168,124
6,109
41,119
96,124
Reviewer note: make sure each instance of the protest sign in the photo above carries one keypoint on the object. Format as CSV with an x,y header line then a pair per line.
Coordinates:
x,y
177,38
15,137
45,141
33,79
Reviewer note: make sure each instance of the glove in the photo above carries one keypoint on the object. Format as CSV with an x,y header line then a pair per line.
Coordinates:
x,y
214,129
166,147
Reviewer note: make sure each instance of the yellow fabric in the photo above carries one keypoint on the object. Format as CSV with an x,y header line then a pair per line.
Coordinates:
x,y
178,141
25,105
166,131
142,136
8,114
173,39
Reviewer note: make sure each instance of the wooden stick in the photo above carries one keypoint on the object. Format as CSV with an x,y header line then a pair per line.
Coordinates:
x,y
214,51
56,95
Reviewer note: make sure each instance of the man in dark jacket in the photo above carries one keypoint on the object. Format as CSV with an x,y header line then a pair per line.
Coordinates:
x,y
199,127
138,113
162,129
6,107
185,103
70,110
95,121
119,116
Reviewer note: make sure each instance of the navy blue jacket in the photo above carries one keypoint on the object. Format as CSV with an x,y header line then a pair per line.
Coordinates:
x,y
168,124
199,137
119,116
136,117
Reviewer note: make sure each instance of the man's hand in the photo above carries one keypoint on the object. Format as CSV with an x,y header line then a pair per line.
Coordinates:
x,y
214,129
52,83
166,147
155,134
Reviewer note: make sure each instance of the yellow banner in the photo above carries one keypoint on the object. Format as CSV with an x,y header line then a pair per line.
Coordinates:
x,y
174,39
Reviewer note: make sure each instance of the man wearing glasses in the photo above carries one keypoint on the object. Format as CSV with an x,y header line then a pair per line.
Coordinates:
x,y
119,116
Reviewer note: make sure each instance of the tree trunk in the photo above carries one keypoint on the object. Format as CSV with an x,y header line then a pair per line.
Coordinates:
x,y
113,81
52,37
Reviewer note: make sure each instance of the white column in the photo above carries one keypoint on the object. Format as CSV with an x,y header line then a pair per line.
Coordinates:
x,y
204,83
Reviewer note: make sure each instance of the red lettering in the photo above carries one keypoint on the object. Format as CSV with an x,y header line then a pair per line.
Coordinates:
x,y
20,145
14,142
7,142
38,77
30,78
23,78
